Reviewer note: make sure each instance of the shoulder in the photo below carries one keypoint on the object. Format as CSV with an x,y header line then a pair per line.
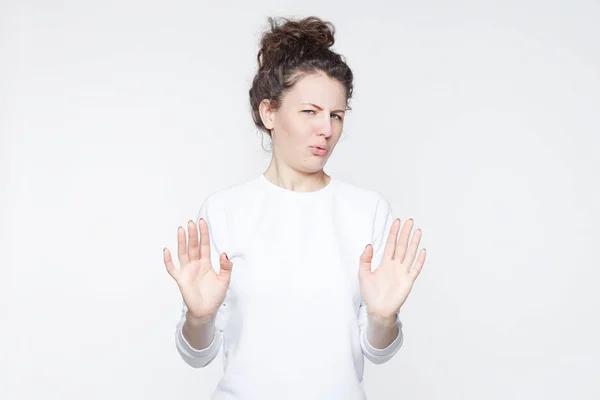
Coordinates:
x,y
222,199
363,196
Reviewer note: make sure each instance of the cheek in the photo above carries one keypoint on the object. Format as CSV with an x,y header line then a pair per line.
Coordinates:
x,y
296,130
338,127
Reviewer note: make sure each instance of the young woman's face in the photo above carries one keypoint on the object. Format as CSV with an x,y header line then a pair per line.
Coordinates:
x,y
309,122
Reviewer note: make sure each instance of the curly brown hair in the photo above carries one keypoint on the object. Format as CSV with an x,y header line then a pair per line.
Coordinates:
x,y
288,50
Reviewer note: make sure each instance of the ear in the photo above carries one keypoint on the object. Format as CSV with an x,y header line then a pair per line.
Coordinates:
x,y
267,114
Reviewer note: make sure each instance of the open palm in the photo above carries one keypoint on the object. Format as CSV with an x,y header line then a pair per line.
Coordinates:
x,y
385,289
203,290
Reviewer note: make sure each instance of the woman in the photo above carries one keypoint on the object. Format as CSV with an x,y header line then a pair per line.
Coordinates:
x,y
298,301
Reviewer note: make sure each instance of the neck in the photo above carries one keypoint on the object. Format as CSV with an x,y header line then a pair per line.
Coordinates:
x,y
291,179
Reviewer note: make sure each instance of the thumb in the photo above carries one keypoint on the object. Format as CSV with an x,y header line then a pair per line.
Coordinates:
x,y
226,266
365,259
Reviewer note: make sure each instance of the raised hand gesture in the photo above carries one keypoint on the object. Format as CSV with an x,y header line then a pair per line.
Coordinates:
x,y
203,290
385,289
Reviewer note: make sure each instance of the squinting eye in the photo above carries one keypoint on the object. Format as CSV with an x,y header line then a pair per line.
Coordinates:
x,y
337,116
308,111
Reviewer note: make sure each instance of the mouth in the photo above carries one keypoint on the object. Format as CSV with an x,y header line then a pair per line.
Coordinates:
x,y
318,151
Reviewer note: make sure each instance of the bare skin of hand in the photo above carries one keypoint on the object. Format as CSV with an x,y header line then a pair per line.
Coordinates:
x,y
385,289
202,288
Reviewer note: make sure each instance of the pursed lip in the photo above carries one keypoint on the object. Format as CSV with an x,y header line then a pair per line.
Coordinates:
x,y
321,147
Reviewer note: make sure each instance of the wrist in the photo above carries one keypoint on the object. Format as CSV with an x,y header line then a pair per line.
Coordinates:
x,y
383,320
199,320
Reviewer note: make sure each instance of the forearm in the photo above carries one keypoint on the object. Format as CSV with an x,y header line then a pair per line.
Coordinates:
x,y
199,333
381,331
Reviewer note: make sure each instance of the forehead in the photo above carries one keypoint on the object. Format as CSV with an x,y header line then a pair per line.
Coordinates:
x,y
318,89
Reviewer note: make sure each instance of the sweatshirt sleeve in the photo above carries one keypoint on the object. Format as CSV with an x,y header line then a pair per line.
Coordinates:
x,y
381,226
199,358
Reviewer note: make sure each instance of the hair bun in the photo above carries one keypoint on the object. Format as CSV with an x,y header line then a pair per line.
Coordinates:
x,y
293,39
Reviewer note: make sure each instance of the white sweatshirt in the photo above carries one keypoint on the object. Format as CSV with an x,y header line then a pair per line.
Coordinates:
x,y
293,323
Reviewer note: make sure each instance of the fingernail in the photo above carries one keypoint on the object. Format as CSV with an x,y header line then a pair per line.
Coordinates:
x,y
226,256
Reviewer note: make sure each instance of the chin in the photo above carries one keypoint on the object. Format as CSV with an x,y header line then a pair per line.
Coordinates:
x,y
312,168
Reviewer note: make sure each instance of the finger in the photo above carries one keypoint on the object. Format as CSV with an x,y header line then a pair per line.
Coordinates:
x,y
182,247
169,264
419,264
412,250
365,259
204,239
193,249
403,240
390,245
226,267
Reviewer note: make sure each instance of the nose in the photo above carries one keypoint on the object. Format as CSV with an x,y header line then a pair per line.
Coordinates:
x,y
325,127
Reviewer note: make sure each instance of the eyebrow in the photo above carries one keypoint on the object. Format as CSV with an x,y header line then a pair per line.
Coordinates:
x,y
321,108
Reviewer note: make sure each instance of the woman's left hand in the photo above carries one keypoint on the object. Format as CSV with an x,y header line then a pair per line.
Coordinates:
x,y
385,289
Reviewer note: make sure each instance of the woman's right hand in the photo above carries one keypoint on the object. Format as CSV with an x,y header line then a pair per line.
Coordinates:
x,y
203,290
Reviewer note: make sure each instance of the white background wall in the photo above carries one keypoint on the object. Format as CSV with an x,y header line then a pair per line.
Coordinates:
x,y
479,119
